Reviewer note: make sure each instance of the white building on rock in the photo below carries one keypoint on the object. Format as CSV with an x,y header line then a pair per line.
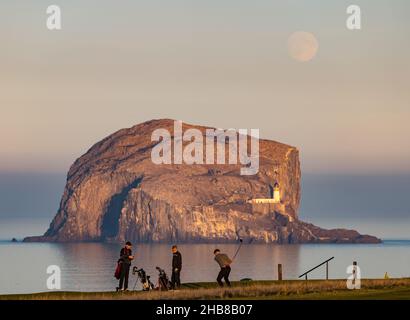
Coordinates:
x,y
274,199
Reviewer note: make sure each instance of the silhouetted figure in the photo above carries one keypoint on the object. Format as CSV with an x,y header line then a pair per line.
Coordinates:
x,y
126,257
176,268
224,262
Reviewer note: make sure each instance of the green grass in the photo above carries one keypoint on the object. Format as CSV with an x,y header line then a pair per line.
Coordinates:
x,y
370,294
373,289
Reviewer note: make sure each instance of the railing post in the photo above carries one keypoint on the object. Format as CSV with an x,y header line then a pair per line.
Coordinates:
x,y
327,269
280,272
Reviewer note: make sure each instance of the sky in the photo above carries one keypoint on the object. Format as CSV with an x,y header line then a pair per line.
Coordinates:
x,y
222,63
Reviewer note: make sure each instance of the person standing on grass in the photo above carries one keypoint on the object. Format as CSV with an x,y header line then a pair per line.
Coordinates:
x,y
225,263
126,257
176,268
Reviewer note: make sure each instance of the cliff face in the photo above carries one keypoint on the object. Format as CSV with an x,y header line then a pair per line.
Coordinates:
x,y
115,192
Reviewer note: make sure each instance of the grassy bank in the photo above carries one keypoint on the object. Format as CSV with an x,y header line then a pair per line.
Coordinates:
x,y
291,289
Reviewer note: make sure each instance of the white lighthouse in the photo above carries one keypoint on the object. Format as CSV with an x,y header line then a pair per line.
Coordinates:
x,y
276,193
274,197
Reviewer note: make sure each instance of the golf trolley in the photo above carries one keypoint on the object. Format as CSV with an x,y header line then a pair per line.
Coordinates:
x,y
142,276
163,282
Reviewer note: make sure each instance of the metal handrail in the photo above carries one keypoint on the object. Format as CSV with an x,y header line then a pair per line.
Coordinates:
x,y
327,269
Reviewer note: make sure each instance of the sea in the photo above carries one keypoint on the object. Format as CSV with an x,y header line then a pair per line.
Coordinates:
x,y
90,266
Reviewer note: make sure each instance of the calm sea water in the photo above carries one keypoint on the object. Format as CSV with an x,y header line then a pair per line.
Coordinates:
x,y
90,266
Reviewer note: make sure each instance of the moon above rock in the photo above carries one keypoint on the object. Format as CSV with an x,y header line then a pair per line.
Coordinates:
x,y
302,46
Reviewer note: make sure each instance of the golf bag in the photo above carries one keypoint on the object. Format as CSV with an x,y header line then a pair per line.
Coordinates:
x,y
117,273
163,282
144,279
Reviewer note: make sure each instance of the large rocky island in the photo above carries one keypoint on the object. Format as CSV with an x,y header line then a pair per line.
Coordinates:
x,y
115,192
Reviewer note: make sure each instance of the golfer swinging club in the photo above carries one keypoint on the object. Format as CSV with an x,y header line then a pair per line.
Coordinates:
x,y
224,262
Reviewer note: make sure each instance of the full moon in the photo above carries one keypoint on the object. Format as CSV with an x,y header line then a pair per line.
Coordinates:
x,y
302,46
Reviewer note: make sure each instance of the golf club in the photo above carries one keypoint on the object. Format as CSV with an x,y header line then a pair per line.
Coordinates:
x,y
239,248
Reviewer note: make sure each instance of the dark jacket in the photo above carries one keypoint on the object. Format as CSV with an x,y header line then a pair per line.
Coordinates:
x,y
124,255
176,261
223,260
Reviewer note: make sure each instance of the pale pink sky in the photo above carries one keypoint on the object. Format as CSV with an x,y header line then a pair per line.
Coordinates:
x,y
218,63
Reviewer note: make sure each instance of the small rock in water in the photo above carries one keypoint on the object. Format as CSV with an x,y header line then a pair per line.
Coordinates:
x,y
14,240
